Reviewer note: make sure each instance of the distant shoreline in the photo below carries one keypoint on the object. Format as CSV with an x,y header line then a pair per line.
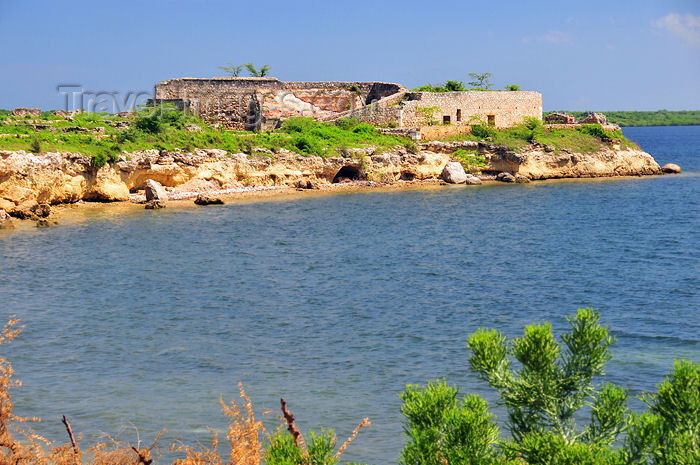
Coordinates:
x,y
644,118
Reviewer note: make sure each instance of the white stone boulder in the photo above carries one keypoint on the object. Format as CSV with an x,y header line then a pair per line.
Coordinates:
x,y
454,173
155,191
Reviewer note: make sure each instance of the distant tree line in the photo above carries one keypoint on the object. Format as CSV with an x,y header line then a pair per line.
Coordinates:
x,y
646,118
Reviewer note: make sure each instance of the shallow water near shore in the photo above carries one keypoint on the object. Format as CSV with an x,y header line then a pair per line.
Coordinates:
x,y
336,302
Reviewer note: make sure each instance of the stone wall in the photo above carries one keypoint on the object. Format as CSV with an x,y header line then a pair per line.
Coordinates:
x,y
378,116
21,112
443,132
242,102
499,108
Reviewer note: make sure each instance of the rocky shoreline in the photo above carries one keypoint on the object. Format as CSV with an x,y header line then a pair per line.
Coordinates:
x,y
30,183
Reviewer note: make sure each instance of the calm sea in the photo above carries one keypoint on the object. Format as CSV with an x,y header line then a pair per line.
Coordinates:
x,y
336,302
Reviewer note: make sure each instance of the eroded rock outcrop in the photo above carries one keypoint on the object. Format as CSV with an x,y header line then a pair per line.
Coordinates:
x,y
27,180
671,168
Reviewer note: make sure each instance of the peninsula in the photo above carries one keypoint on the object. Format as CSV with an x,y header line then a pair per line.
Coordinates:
x,y
205,138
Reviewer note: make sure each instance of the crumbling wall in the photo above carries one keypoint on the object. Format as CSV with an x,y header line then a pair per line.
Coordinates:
x,y
228,100
378,115
500,108
21,112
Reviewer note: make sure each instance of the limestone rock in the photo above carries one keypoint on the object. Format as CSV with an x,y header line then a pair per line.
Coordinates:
x,y
505,177
155,191
155,204
107,186
6,204
41,210
21,112
306,184
520,179
5,220
473,180
24,210
559,118
594,118
671,168
454,173
208,199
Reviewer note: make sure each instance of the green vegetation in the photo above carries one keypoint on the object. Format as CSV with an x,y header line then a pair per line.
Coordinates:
x,y
589,138
645,118
470,159
35,144
427,115
235,70
548,387
264,70
480,81
103,136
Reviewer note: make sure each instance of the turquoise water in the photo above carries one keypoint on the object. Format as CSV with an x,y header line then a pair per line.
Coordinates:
x,y
337,301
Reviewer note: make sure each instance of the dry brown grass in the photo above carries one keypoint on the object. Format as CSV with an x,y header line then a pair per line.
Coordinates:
x,y
19,445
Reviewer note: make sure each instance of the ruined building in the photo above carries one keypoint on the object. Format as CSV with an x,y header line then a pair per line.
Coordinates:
x,y
262,102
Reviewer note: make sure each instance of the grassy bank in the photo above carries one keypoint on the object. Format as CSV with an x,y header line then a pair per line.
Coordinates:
x,y
646,118
586,139
103,136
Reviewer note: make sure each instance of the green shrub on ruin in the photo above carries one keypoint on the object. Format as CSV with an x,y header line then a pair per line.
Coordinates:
x,y
483,131
595,130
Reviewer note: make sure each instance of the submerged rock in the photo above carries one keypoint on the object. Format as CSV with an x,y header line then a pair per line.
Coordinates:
x,y
24,210
44,223
454,173
208,199
155,191
41,210
671,168
472,180
155,205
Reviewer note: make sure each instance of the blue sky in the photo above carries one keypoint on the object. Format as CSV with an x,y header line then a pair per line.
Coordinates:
x,y
582,55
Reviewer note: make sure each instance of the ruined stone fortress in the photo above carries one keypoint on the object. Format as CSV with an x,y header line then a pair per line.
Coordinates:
x,y
263,102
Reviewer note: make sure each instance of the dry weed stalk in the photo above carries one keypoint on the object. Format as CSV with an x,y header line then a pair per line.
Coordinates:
x,y
73,442
352,437
12,452
292,427
243,431
203,456
116,452
243,434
